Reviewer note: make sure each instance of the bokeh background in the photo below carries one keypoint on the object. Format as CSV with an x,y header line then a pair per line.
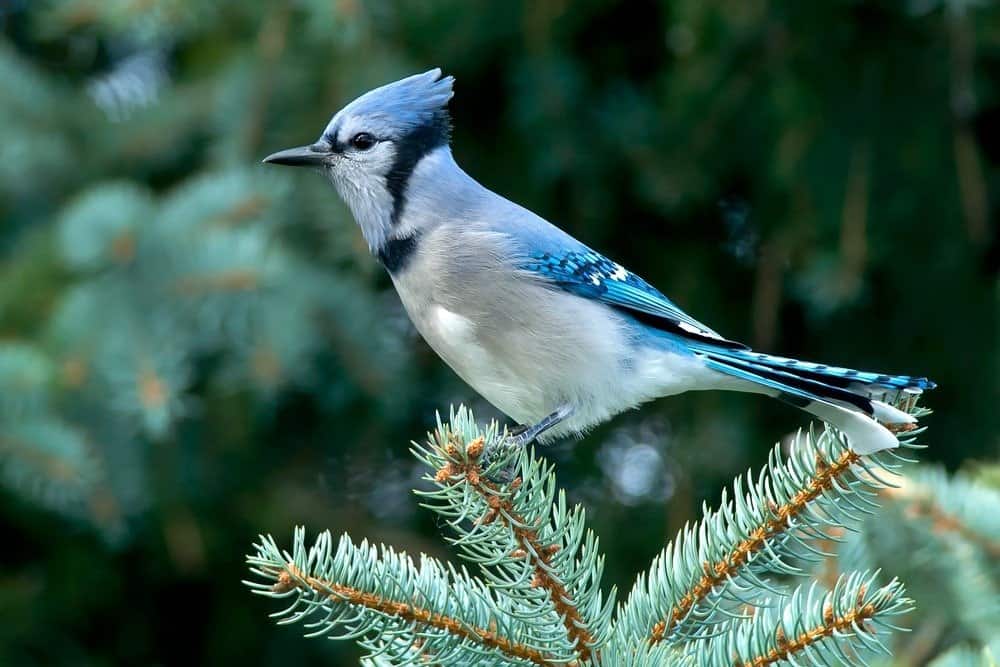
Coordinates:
x,y
196,348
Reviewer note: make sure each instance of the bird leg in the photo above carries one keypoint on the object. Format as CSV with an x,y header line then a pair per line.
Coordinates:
x,y
518,429
523,435
520,436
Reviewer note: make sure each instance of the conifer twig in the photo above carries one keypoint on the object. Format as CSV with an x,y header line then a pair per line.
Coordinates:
x,y
717,573
812,626
537,600
921,504
530,545
346,590
292,577
832,624
232,280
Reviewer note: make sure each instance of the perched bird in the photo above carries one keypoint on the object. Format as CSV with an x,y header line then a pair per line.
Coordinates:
x,y
551,332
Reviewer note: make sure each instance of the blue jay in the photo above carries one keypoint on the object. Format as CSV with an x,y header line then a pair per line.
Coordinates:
x,y
551,332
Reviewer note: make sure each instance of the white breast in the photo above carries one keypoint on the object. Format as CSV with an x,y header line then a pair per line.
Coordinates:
x,y
454,328
455,339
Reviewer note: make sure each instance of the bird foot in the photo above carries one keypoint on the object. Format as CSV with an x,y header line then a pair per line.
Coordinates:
x,y
518,438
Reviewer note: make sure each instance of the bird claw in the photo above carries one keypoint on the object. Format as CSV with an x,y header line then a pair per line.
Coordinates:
x,y
517,439
504,474
506,449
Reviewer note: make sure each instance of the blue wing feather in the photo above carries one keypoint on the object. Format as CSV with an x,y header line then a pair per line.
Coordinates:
x,y
586,273
591,275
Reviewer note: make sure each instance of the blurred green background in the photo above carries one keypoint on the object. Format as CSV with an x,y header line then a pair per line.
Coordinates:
x,y
195,348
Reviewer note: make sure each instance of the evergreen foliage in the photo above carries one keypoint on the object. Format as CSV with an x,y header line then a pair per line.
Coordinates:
x,y
727,590
223,289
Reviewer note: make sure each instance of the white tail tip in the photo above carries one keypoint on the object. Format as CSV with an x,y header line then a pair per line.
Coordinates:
x,y
864,434
890,415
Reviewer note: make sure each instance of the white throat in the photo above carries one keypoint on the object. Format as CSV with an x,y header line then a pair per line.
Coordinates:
x,y
371,208
436,187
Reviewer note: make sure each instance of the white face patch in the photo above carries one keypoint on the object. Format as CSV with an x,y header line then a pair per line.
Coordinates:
x,y
359,178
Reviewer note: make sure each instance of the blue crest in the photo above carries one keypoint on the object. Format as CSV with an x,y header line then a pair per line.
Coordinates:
x,y
400,107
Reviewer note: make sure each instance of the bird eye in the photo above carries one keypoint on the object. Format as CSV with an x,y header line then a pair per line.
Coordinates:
x,y
362,141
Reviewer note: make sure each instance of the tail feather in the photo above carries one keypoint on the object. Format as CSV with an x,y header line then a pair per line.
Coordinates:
x,y
807,387
864,434
841,397
834,375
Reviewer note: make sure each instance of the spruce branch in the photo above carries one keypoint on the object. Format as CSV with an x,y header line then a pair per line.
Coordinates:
x,y
716,574
950,505
291,578
717,595
530,545
813,626
539,600
540,541
723,561
948,527
51,462
383,599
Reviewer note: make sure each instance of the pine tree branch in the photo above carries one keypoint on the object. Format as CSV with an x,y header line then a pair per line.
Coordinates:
x,y
948,527
717,573
248,208
920,503
292,577
381,598
530,545
832,624
765,525
537,597
812,627
232,280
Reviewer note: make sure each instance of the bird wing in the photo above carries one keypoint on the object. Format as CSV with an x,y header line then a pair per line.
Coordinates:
x,y
591,275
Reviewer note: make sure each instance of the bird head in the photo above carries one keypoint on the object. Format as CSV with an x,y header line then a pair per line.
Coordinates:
x,y
371,147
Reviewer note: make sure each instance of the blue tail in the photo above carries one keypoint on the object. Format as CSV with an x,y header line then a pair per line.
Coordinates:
x,y
849,400
799,382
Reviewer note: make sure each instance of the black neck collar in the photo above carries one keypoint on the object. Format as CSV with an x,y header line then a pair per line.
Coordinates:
x,y
396,253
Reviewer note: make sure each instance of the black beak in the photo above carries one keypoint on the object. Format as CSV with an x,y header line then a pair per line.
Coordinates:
x,y
303,156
